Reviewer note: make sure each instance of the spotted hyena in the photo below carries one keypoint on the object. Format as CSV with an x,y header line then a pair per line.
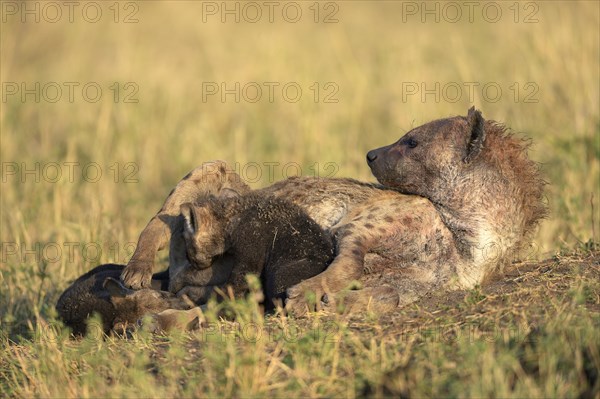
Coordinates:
x,y
266,236
457,198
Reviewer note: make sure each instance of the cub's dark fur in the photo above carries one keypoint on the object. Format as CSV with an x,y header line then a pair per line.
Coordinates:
x,y
100,291
267,236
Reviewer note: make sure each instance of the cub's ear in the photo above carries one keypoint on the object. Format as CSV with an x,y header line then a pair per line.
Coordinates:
x,y
116,289
228,193
476,137
187,211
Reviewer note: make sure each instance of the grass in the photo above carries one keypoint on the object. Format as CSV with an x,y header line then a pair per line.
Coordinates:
x,y
55,228
532,333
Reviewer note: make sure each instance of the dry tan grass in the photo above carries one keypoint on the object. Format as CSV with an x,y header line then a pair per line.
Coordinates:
x,y
370,54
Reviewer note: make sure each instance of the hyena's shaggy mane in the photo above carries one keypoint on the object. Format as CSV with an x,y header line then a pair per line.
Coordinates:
x,y
508,152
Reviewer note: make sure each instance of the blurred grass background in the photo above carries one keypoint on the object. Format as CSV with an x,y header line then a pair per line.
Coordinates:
x,y
370,54
51,231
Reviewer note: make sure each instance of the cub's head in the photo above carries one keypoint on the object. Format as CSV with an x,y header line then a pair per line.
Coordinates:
x,y
204,231
132,305
426,159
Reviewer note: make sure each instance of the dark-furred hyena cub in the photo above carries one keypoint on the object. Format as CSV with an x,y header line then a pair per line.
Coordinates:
x,y
267,236
100,291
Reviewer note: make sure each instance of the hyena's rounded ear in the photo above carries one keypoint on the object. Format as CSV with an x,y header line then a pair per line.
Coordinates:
x,y
227,192
187,211
476,135
116,289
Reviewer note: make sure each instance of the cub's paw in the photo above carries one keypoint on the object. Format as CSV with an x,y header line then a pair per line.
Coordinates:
x,y
137,275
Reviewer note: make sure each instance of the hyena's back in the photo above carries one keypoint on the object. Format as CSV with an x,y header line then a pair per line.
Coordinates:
x,y
326,201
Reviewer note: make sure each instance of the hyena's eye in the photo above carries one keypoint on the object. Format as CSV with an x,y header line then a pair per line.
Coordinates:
x,y
411,143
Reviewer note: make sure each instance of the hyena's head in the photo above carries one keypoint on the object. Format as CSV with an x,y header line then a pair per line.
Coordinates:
x,y
204,231
132,305
470,165
426,159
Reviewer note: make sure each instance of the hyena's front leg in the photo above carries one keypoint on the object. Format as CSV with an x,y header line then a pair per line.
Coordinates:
x,y
363,229
347,266
210,178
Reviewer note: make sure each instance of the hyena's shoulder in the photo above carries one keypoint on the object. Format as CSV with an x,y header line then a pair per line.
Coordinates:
x,y
392,220
388,212
386,201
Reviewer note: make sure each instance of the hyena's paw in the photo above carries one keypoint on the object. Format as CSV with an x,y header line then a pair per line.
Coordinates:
x,y
137,275
305,297
375,299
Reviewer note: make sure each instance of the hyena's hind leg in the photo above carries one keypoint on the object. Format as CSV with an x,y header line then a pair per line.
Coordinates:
x,y
383,292
209,178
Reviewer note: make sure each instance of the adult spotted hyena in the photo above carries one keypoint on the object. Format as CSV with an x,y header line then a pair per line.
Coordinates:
x,y
457,198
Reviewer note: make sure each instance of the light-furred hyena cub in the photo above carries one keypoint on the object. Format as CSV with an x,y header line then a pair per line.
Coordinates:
x,y
269,237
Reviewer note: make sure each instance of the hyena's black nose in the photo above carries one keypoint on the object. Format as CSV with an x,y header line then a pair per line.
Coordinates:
x,y
371,156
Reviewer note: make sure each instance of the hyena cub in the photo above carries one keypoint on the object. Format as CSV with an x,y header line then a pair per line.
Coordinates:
x,y
266,236
100,291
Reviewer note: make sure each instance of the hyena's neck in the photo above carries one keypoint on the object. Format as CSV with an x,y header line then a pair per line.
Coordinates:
x,y
486,224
